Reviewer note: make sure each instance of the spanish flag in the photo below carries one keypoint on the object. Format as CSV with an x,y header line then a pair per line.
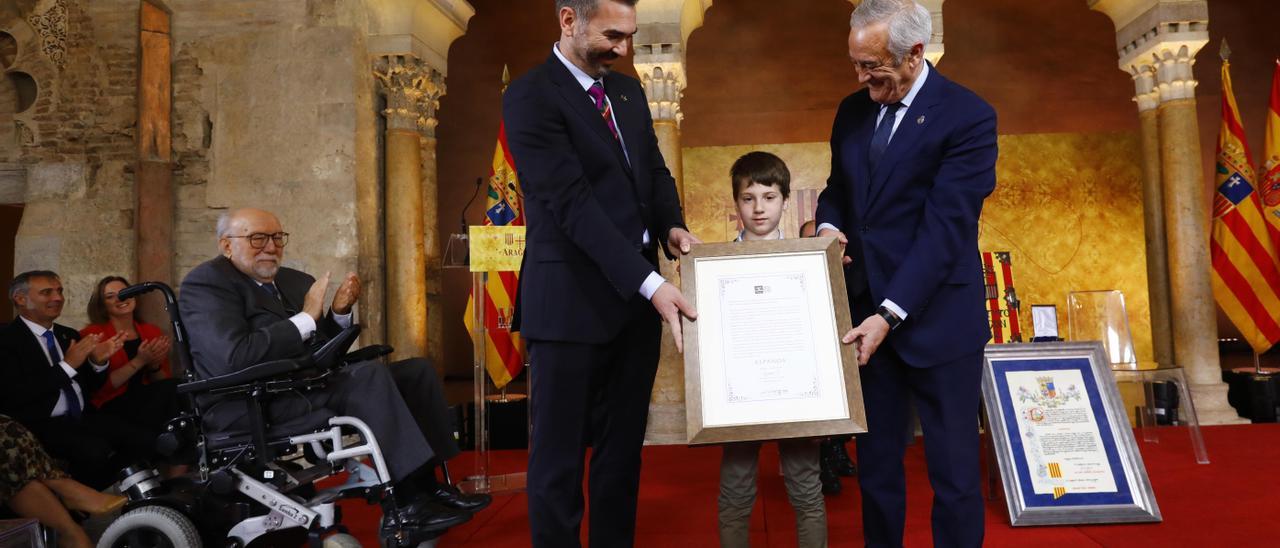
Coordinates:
x,y
1271,159
504,351
1246,272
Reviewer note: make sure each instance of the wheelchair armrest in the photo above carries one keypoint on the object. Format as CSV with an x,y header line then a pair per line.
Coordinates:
x,y
371,352
244,376
330,354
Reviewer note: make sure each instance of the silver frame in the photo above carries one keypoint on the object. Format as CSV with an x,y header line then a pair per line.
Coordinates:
x,y
1144,509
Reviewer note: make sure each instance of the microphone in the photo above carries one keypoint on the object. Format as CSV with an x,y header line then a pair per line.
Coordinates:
x,y
515,189
462,218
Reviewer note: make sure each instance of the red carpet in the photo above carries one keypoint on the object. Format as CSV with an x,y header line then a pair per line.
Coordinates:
x,y
1230,502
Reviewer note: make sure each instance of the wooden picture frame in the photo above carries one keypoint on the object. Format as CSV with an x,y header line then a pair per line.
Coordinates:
x,y
1062,438
776,391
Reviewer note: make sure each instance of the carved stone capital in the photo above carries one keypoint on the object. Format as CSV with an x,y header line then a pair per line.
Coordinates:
x,y
1145,92
413,89
1173,74
1160,35
663,85
661,69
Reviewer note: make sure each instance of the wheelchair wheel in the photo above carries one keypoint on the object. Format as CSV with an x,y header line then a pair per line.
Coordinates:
x,y
151,527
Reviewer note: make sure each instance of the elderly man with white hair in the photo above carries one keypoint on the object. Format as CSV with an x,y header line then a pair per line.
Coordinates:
x,y
912,159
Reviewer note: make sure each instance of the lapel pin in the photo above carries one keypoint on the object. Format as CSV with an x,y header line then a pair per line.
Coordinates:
x,y
623,97
920,120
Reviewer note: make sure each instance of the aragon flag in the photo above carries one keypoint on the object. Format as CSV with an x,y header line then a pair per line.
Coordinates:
x,y
1271,160
1246,272
504,351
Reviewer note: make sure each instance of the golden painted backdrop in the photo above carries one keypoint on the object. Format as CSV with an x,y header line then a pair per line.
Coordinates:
x,y
1068,207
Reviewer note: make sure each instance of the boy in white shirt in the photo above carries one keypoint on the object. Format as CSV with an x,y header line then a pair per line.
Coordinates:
x,y
761,187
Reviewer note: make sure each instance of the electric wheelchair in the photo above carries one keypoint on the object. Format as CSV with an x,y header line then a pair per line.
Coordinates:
x,y
245,485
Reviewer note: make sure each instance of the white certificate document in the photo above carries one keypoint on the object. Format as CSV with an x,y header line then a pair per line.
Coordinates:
x,y
769,347
768,338
1060,436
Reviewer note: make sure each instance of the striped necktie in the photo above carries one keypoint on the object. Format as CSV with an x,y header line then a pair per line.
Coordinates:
x,y
596,91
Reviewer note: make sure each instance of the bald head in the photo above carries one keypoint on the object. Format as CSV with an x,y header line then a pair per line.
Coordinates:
x,y
236,237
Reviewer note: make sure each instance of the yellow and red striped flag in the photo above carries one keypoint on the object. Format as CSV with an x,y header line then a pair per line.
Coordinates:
x,y
504,351
1270,184
1246,272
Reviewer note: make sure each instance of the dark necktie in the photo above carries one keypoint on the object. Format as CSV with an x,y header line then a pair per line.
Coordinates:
x,y
273,291
880,140
596,91
55,356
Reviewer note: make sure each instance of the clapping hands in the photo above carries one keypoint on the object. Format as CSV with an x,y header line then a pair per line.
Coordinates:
x,y
153,352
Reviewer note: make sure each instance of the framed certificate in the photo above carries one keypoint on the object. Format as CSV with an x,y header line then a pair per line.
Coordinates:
x,y
1062,438
764,360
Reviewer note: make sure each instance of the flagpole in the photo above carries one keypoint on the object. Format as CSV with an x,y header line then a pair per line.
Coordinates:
x,y
1257,364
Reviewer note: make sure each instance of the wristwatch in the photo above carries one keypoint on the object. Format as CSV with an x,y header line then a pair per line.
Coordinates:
x,y
889,317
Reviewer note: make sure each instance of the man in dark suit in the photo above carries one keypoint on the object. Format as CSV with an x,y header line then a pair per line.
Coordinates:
x,y
912,160
242,308
599,201
48,370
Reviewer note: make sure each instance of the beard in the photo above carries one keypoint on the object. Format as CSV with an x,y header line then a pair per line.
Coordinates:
x,y
594,59
266,270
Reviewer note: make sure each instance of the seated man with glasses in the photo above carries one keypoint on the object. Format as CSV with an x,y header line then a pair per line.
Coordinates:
x,y
243,308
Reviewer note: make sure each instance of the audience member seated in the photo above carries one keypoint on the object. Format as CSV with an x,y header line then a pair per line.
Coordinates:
x,y
243,308
139,387
50,372
31,486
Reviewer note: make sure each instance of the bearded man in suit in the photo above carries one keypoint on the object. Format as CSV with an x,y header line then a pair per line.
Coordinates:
x,y
599,204
243,308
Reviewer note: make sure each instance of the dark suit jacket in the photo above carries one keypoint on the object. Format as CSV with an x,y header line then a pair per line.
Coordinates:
x,y
233,323
585,207
916,216
29,386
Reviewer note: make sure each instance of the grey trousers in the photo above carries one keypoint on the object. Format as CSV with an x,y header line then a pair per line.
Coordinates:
x,y
738,469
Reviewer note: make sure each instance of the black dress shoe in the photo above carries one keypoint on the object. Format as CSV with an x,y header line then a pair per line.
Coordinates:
x,y
830,482
843,465
450,497
419,517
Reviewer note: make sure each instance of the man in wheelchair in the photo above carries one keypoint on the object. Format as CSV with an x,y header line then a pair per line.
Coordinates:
x,y
243,308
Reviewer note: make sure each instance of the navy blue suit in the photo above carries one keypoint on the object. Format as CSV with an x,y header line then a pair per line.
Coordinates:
x,y
593,338
912,226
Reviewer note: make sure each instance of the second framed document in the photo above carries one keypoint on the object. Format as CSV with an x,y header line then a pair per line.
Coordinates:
x,y
764,360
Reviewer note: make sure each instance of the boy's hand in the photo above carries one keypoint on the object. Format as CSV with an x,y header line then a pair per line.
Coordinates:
x,y
867,336
680,241
670,304
840,237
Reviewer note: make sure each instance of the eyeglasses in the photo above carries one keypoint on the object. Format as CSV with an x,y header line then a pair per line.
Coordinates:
x,y
258,240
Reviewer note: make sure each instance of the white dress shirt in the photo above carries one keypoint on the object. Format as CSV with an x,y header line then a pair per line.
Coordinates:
x,y
897,119
60,408
585,80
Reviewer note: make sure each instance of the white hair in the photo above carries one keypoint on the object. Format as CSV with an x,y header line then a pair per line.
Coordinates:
x,y
909,23
224,224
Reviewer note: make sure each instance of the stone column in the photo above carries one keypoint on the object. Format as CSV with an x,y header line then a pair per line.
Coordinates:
x,y
1148,98
1195,321
662,75
432,247
406,81
1164,36
153,180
